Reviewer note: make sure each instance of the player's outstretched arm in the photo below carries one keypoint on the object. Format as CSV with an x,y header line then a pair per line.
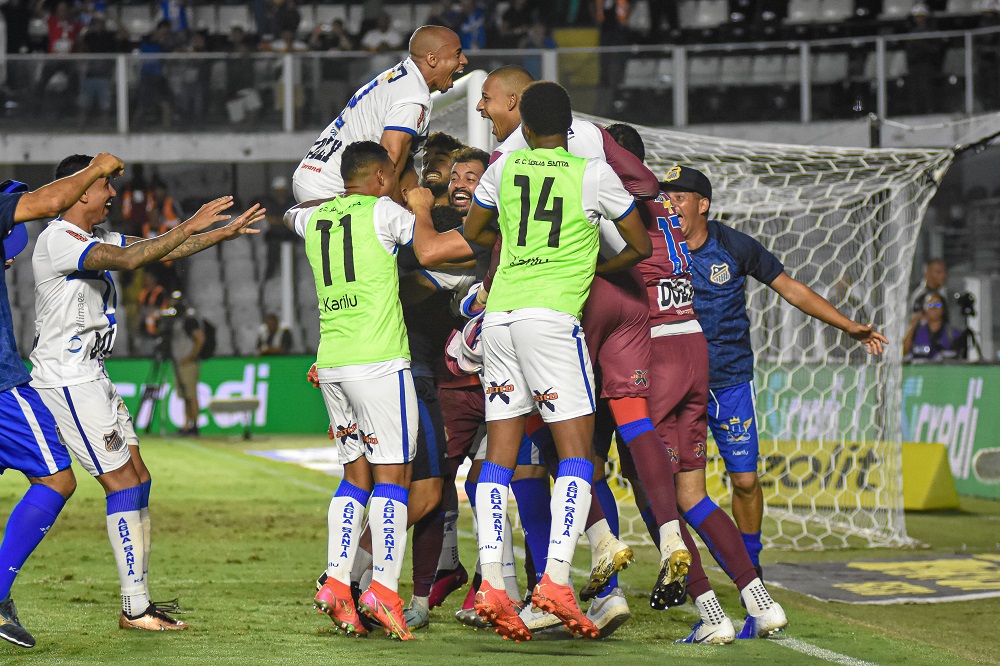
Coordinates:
x,y
52,199
638,246
397,144
240,226
107,257
431,247
814,305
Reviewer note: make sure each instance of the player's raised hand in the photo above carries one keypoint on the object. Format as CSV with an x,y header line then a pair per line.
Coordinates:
x,y
107,165
242,224
869,337
209,214
419,197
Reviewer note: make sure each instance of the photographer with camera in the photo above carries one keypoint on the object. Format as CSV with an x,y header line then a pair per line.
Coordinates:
x,y
930,336
184,336
935,283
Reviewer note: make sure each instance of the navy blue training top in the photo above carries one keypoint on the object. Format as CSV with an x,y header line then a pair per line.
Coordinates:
x,y
718,271
12,370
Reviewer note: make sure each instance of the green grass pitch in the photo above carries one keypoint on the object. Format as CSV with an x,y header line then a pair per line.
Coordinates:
x,y
240,540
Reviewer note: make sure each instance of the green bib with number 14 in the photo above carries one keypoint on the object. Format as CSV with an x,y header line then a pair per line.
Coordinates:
x,y
549,248
360,316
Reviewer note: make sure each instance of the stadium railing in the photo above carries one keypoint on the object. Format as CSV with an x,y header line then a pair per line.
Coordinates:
x,y
952,72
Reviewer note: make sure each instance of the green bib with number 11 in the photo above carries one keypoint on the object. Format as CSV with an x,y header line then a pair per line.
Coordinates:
x,y
549,248
360,316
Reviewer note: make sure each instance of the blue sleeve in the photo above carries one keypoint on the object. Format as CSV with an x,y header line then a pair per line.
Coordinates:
x,y
8,204
752,258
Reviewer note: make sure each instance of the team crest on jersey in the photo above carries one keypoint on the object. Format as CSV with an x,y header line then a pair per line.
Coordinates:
x,y
639,378
545,398
672,174
113,441
720,274
737,430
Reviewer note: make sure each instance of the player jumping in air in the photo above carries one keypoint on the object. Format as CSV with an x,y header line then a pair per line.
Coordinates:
x,y
75,328
363,366
549,204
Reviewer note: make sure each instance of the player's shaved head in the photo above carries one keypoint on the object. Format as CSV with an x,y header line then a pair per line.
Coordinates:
x,y
429,39
512,79
360,159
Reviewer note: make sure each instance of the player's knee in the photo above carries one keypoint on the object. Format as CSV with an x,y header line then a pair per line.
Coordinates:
x,y
63,482
745,483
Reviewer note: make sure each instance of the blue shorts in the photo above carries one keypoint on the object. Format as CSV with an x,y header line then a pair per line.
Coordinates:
x,y
732,418
29,441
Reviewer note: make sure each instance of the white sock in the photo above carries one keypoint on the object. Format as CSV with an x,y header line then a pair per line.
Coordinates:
x,y
388,521
146,542
344,519
491,512
709,608
570,505
449,545
362,564
126,536
756,597
595,534
366,579
509,565
422,602
670,538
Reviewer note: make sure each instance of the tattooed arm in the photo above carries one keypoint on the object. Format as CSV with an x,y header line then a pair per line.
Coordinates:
x,y
199,242
104,256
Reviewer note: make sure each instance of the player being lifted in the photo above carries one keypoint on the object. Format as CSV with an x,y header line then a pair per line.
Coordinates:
x,y
75,328
363,366
549,204
721,260
29,442
394,109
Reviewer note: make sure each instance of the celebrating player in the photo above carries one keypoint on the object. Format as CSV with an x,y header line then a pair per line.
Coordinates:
x,y
394,109
549,203
75,302
29,441
721,259
364,370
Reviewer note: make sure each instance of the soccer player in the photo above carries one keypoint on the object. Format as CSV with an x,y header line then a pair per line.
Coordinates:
x,y
75,328
721,260
549,204
29,442
436,164
394,109
364,370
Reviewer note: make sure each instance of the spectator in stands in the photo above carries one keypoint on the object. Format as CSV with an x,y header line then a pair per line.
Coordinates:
x,y
277,202
135,197
273,339
153,94
242,99
97,80
924,58
515,22
17,14
335,83
930,336
537,38
195,79
64,28
163,212
288,43
440,14
612,16
472,25
152,299
58,76
175,11
330,37
935,283
383,37
187,336
286,16
371,10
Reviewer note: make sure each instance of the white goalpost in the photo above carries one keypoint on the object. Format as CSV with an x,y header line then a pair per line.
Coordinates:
x,y
845,222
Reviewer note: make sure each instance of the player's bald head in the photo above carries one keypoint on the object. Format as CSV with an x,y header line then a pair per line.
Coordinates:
x,y
511,79
429,39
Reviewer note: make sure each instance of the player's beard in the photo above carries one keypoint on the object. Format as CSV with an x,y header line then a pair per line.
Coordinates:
x,y
438,188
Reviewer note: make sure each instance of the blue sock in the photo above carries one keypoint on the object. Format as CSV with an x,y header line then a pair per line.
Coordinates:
x,y
650,520
754,546
29,522
610,508
144,489
470,492
534,508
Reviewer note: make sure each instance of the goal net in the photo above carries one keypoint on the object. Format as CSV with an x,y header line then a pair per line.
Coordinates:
x,y
843,221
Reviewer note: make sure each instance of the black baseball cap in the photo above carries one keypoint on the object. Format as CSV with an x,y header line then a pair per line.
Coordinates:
x,y
686,179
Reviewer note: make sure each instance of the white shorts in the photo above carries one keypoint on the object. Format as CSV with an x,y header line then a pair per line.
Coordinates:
x,y
374,417
93,423
536,363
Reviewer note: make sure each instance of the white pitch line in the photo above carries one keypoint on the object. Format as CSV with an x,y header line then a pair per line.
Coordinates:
x,y
795,644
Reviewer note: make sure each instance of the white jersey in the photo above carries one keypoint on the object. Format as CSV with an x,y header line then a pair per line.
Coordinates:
x,y
74,308
397,99
583,140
